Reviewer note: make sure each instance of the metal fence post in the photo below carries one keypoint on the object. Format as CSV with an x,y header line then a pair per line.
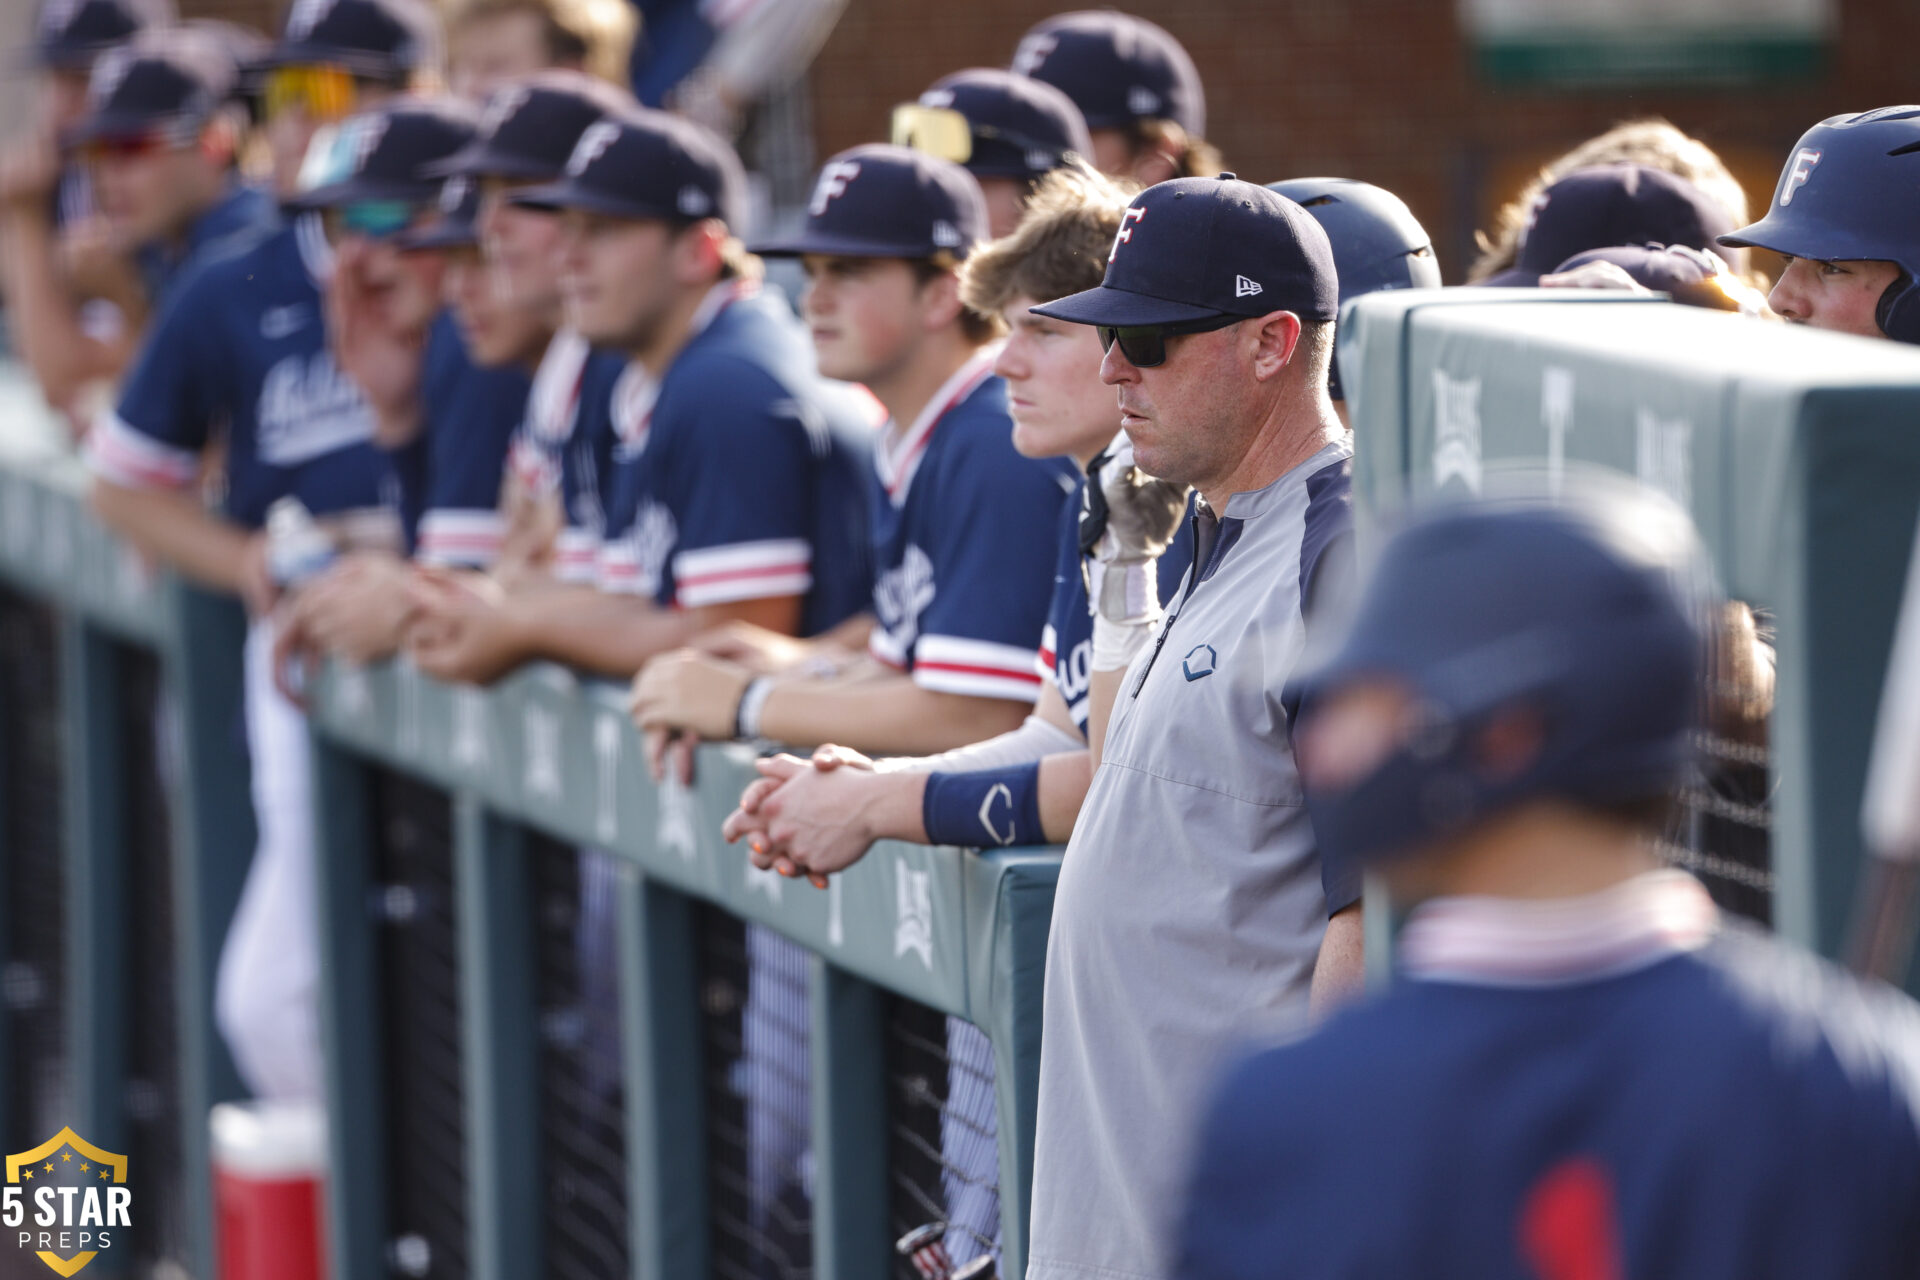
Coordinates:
x,y
97,905
501,1042
849,1126
666,1138
203,639
349,999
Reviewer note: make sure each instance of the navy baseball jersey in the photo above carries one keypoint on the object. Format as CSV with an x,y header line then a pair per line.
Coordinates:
x,y
1617,1086
242,211
1066,645
471,415
739,475
240,352
963,531
565,447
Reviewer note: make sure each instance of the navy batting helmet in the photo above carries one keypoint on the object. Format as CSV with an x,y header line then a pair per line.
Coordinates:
x,y
1847,193
1587,612
1377,242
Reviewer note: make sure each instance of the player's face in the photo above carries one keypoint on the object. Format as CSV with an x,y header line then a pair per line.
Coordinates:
x,y
865,314
1053,386
63,99
1188,418
617,277
485,52
148,194
523,246
1006,202
1840,296
290,128
496,332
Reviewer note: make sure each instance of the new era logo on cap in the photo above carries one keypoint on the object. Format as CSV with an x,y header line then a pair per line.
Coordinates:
x,y
1143,101
946,235
694,203
1244,288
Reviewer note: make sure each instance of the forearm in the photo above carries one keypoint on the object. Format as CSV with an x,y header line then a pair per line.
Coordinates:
x,y
1339,973
893,716
46,316
612,635
1103,690
173,527
1033,740
1064,779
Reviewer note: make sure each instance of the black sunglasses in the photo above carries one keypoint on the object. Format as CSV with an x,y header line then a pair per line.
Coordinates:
x,y
1145,345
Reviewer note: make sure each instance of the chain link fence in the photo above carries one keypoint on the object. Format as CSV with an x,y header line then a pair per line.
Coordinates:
x,y
943,1152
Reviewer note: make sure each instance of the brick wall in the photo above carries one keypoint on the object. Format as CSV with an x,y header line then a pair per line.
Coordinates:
x,y
1380,90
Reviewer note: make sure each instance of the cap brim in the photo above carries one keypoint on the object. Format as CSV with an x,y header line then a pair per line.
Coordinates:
x,y
117,124
481,160
354,190
844,247
462,235
1118,307
1796,241
556,196
363,63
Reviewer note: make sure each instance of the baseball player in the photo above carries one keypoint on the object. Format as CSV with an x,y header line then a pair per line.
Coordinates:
x,y
1837,217
715,421
1008,131
335,58
962,525
1135,86
493,42
1608,205
244,342
1192,901
1580,1069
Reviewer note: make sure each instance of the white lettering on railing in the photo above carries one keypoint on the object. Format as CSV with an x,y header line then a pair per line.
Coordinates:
x,y
606,756
469,747
542,735
913,926
1456,430
1556,415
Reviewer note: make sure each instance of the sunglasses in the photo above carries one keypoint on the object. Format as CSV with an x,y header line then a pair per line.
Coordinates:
x,y
1145,345
323,92
128,147
374,219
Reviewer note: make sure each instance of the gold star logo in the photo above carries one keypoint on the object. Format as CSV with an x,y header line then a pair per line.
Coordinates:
x,y
48,1166
84,1166
104,1174
66,1157
26,1175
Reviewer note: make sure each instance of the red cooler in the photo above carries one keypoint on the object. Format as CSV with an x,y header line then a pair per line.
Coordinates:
x,y
269,1174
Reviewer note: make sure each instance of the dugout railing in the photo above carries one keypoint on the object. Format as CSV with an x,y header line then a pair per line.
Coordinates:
x,y
571,1033
1797,453
126,828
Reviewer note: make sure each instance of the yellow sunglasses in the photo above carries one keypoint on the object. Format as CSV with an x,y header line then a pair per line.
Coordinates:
x,y
323,92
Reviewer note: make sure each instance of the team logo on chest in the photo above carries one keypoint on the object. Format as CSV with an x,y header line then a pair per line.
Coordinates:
x,y
903,593
1199,662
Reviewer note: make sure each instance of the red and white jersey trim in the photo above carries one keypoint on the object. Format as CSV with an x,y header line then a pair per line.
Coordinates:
x,y
743,571
466,538
617,570
1513,942
897,453
576,556
1049,647
885,649
125,456
977,668
554,400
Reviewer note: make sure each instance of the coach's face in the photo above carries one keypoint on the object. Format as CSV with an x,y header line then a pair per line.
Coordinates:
x,y
616,276
1193,417
1842,296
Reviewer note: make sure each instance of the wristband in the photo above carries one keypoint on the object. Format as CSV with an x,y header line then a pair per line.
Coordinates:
x,y
1124,591
1117,644
753,703
984,809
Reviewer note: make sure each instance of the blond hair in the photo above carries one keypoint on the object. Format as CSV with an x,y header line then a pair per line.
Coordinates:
x,y
595,35
1060,246
1652,142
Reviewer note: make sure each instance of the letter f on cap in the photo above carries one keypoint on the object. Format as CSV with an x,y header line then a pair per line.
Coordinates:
x,y
1798,172
1125,234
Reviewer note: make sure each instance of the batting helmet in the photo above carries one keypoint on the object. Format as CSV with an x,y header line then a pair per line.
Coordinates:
x,y
1587,612
1846,193
1377,242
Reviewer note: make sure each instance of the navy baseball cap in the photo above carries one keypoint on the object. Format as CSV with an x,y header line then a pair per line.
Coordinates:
x,y
383,154
170,79
384,40
880,201
1609,205
1200,248
70,34
530,126
458,223
1117,68
995,123
1692,277
647,164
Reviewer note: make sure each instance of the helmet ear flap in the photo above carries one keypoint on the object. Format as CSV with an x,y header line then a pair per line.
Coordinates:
x,y
1898,313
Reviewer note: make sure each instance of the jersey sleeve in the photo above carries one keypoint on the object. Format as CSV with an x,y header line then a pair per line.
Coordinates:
x,y
993,556
737,479
171,401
